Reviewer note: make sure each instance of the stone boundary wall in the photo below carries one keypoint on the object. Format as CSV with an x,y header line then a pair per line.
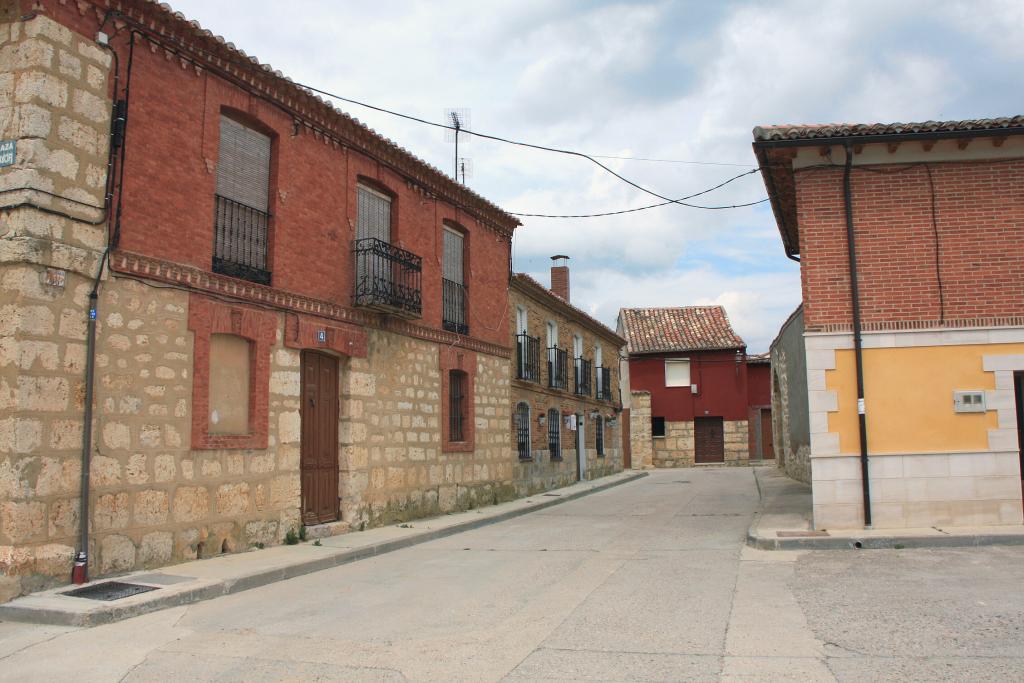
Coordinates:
x,y
676,448
640,430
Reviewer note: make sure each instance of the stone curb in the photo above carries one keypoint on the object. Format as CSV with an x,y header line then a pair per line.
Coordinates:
x,y
894,542
851,541
212,588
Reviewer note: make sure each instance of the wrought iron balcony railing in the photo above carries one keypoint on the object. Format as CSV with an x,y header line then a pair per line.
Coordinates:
x,y
453,305
583,374
240,241
558,360
387,278
527,357
604,383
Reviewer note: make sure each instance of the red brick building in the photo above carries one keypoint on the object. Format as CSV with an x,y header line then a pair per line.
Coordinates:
x,y
276,316
694,366
910,239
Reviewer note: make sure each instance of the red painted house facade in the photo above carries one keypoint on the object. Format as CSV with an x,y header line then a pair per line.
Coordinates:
x,y
694,367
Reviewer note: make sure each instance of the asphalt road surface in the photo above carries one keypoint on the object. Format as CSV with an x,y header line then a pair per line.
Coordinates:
x,y
649,581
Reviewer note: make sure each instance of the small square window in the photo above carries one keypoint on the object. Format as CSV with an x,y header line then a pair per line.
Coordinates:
x,y
657,426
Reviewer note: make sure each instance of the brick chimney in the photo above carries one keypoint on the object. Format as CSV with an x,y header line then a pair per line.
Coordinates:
x,y
560,276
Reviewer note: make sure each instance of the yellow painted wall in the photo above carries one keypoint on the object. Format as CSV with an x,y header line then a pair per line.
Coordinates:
x,y
909,398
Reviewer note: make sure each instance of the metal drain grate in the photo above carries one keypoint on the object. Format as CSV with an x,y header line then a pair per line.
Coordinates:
x,y
109,590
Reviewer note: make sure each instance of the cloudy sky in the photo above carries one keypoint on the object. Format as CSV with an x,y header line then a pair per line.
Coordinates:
x,y
680,81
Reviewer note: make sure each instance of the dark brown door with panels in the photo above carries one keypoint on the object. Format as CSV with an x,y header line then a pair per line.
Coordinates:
x,y
709,439
319,459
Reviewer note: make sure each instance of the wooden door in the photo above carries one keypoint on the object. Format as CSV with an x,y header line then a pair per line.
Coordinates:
x,y
709,439
319,456
767,446
627,446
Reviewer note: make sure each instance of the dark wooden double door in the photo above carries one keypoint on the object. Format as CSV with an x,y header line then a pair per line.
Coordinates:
x,y
708,439
319,458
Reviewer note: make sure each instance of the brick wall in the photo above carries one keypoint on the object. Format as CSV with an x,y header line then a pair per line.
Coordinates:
x,y
171,169
980,223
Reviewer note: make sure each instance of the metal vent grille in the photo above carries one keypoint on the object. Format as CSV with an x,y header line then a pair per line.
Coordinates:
x,y
109,590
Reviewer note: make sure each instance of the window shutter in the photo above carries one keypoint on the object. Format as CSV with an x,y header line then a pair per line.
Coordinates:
x,y
374,215
243,165
677,373
453,252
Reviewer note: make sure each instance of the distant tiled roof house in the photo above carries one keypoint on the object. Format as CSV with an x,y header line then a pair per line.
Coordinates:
x,y
694,366
684,328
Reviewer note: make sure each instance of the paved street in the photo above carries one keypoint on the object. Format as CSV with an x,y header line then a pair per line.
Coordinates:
x,y
647,581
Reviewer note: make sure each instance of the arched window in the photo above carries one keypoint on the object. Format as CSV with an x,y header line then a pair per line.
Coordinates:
x,y
523,430
554,434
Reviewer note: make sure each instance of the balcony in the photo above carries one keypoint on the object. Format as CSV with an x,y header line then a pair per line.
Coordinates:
x,y
558,359
604,383
240,241
387,278
453,304
583,371
527,358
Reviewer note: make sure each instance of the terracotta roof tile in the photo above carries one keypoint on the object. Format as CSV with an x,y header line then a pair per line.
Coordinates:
x,y
686,328
842,130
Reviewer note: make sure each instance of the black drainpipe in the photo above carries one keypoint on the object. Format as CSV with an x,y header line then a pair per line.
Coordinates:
x,y
118,124
857,349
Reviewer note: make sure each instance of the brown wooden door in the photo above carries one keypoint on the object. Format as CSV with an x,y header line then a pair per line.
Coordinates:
x,y
319,459
767,447
709,439
627,446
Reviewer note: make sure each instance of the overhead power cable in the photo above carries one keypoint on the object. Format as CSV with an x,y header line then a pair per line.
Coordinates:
x,y
670,161
519,143
654,206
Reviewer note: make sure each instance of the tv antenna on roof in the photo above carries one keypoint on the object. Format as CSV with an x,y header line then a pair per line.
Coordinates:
x,y
458,119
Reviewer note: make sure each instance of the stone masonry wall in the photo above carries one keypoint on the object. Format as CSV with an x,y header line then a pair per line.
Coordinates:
x,y
53,102
392,464
640,430
676,448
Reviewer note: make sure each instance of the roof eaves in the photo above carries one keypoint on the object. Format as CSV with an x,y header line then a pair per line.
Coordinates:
x,y
539,291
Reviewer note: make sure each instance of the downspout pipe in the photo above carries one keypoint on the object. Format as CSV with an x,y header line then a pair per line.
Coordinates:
x,y
858,351
80,572
119,114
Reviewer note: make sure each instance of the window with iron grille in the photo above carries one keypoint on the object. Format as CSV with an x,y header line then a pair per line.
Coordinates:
x,y
523,430
558,359
527,355
456,405
599,436
582,376
453,287
554,434
242,203
604,383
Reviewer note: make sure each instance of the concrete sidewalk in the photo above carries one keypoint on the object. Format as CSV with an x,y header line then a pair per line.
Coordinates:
x,y
784,523
190,582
